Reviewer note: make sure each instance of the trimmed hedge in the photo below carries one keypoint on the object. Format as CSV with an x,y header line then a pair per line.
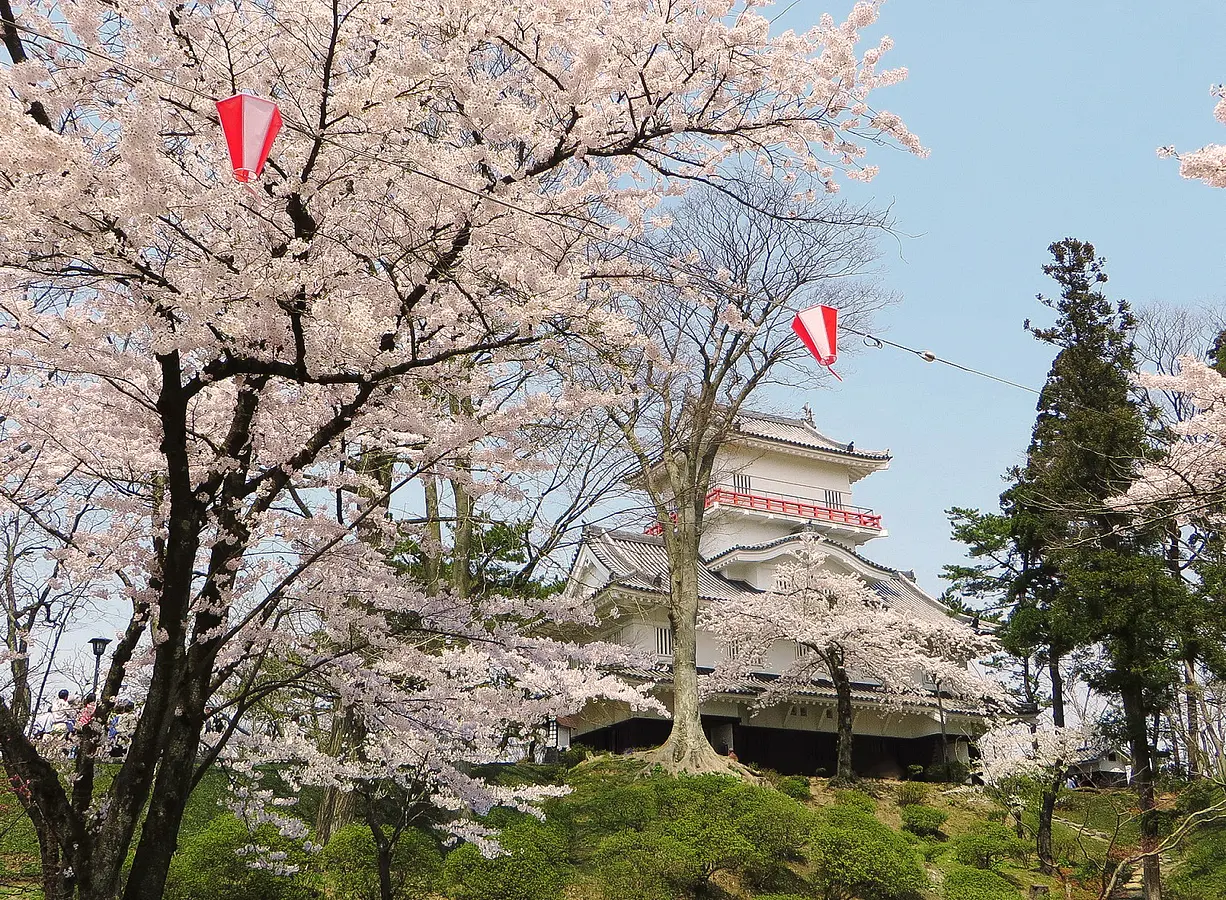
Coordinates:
x,y
854,855
349,865
218,861
911,793
965,883
796,786
989,844
925,821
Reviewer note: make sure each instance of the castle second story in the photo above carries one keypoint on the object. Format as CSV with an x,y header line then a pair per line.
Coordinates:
x,y
776,476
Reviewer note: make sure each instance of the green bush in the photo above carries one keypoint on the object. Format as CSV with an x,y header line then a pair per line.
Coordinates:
x,y
796,786
964,883
572,756
1203,873
854,855
1200,794
925,821
217,861
911,793
987,845
532,866
664,837
351,871
856,800
953,772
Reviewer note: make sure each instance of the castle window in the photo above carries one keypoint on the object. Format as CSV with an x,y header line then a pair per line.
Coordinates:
x,y
834,499
740,483
664,642
733,650
803,650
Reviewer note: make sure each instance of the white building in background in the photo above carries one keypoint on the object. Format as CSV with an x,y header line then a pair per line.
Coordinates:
x,y
777,477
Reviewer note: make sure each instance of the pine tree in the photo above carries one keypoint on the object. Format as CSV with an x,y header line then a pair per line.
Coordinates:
x,y
1075,572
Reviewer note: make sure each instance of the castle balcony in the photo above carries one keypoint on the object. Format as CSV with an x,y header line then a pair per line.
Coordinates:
x,y
766,503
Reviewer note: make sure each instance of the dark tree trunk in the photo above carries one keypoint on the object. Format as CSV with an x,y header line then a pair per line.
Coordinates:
x,y
1135,721
160,831
1047,811
1057,687
434,535
846,720
384,855
1191,692
462,539
336,805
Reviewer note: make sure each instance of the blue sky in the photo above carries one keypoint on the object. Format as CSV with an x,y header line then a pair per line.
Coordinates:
x,y
1043,119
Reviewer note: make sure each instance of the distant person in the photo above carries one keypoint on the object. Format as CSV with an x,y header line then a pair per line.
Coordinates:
x,y
44,723
86,715
62,713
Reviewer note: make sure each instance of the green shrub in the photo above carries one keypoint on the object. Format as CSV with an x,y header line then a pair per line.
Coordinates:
x,y
1203,873
216,860
964,883
665,837
1200,794
915,772
953,772
796,786
655,866
987,845
351,871
925,821
855,855
856,800
532,866
911,793
572,756
781,897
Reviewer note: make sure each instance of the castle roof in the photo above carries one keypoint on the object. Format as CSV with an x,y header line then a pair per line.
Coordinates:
x,y
640,562
798,433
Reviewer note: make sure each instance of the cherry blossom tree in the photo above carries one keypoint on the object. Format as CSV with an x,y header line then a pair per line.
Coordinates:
x,y
850,633
196,361
734,266
1208,164
1013,756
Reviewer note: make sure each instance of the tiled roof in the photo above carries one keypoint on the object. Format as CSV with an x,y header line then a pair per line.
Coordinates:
x,y
819,691
640,562
799,432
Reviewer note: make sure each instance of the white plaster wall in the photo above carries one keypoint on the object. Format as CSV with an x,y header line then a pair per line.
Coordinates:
x,y
640,636
783,473
772,472
729,527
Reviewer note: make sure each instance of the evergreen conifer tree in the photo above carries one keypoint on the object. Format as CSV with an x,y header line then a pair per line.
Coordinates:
x,y
1075,572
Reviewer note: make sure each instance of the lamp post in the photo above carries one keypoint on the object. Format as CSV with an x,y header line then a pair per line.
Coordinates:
x,y
99,645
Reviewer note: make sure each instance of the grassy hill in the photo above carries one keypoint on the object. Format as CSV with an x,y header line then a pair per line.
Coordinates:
x,y
626,833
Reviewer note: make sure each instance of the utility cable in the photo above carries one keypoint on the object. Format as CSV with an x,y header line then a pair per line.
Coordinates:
x,y
929,356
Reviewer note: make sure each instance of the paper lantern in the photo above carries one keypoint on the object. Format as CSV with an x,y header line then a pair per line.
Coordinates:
x,y
250,124
818,328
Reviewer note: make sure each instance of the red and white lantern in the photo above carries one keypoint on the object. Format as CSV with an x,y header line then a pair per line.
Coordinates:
x,y
250,124
818,328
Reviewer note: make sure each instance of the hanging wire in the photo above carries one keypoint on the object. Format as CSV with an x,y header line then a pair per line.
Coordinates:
x,y
928,356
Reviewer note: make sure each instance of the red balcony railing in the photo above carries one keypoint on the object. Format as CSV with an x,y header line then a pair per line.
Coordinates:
x,y
778,504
